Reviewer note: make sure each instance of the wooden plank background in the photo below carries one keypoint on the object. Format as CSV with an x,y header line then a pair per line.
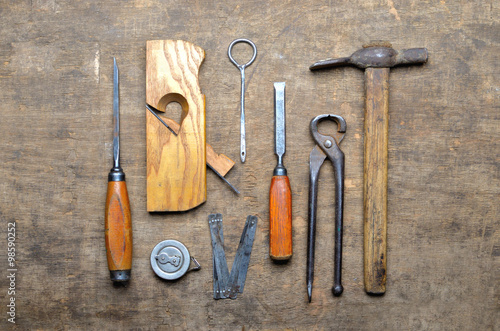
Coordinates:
x,y
56,138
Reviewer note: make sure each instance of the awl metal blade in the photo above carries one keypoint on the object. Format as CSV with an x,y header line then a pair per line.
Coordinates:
x,y
116,117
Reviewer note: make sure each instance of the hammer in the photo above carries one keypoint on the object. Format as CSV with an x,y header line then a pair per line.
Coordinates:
x,y
377,59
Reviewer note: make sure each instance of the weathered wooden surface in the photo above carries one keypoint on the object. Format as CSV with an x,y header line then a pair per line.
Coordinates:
x,y
443,197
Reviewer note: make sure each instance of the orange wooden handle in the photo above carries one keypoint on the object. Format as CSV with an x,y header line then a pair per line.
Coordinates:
x,y
118,227
280,219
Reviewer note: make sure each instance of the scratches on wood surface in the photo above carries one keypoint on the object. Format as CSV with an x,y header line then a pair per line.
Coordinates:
x,y
393,10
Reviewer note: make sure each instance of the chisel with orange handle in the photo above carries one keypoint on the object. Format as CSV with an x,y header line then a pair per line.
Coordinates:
x,y
117,219
280,194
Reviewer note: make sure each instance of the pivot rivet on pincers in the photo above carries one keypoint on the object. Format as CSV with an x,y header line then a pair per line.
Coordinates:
x,y
328,143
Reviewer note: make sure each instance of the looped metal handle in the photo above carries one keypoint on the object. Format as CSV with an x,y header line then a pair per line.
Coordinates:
x,y
230,49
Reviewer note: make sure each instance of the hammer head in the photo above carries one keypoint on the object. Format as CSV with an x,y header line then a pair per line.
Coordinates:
x,y
376,57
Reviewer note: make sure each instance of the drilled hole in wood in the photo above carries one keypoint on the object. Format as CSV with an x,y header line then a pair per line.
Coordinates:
x,y
175,107
174,111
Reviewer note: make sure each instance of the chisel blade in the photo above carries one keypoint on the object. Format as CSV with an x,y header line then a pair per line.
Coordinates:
x,y
279,116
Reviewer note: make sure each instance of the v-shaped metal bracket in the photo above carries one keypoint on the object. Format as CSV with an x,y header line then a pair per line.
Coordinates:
x,y
228,285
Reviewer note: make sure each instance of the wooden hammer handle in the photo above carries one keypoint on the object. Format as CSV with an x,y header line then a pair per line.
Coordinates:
x,y
375,179
280,218
118,231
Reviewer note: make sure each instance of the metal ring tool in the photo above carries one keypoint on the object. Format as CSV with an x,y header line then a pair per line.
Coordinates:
x,y
242,71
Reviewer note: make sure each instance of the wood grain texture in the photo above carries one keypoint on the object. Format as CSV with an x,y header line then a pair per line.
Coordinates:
x,y
280,219
176,165
118,227
219,162
376,138
56,101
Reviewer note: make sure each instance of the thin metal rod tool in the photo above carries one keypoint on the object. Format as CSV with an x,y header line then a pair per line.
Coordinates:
x,y
242,102
224,179
326,147
116,117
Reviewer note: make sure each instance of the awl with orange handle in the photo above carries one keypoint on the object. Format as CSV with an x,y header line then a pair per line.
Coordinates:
x,y
280,194
117,219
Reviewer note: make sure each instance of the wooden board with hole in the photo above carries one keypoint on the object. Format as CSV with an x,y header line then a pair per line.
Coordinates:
x,y
176,165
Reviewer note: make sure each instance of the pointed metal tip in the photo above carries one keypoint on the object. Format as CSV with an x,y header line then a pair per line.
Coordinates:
x,y
235,190
330,63
309,291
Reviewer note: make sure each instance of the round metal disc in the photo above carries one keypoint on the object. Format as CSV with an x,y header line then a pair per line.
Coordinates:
x,y
170,259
